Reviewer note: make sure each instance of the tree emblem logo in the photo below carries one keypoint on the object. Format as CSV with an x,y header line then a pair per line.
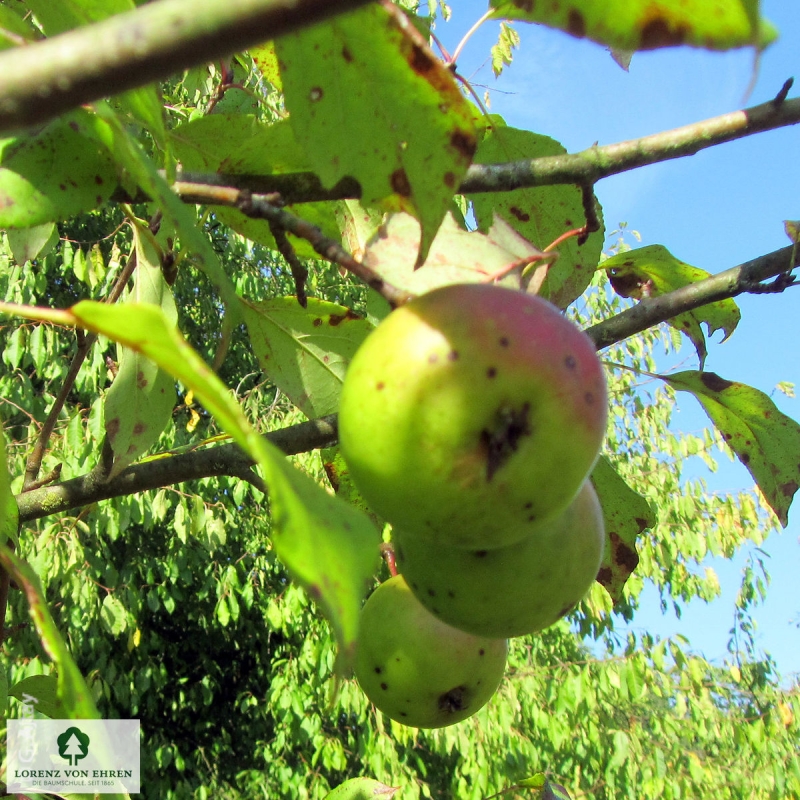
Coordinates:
x,y
73,745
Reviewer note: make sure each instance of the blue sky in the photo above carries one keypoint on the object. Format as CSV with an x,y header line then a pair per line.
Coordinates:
x,y
714,210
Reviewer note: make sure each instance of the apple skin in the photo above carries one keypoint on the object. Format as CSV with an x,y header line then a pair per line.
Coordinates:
x,y
472,411
418,670
514,590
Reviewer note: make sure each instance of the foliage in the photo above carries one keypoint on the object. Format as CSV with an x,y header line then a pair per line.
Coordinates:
x,y
140,329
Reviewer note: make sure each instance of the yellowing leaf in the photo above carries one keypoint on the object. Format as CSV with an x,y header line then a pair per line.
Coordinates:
x,y
652,271
649,24
766,441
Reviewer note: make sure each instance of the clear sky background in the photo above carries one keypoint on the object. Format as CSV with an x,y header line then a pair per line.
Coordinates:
x,y
714,210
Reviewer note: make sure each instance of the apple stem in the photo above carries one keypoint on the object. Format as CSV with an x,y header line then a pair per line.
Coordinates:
x,y
387,552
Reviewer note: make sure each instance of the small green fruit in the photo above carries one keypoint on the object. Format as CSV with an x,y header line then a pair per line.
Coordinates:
x,y
418,670
514,590
471,412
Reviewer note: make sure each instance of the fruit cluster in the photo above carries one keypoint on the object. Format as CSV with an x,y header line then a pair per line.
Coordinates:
x,y
470,420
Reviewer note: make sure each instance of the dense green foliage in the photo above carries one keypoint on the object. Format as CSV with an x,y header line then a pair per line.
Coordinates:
x,y
190,606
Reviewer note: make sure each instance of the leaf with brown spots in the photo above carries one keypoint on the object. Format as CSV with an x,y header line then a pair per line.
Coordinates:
x,y
766,441
305,351
652,271
59,172
368,99
626,514
540,214
139,403
649,24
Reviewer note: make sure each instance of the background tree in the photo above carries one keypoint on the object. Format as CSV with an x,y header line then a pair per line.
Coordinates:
x,y
179,576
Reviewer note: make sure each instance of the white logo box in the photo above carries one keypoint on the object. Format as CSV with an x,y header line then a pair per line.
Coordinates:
x,y
73,755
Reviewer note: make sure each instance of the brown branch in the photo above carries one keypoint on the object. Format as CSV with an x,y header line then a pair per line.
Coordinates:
x,y
746,278
225,459
584,168
41,80
34,463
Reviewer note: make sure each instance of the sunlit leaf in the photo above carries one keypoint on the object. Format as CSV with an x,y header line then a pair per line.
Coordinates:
x,y
9,513
139,404
648,24
361,789
42,692
766,441
626,514
369,100
61,171
329,546
652,271
305,351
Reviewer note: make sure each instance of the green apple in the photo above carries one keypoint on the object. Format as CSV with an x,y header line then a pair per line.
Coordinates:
x,y
514,590
418,670
471,412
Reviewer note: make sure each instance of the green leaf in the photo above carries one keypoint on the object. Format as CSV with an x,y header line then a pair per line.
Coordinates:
x,y
64,15
305,351
29,243
3,692
626,514
652,271
536,781
368,99
59,172
766,441
41,692
361,789
329,546
240,144
113,615
540,214
139,404
9,513
14,28
73,693
649,24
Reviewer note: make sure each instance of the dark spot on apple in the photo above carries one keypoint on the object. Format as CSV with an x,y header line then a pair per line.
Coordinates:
x,y
414,585
431,593
403,714
400,183
380,386
713,382
139,428
531,517
503,341
433,358
451,594
570,362
378,670
453,355
491,372
454,700
384,686
589,398
529,504
481,652
481,553
347,55
502,441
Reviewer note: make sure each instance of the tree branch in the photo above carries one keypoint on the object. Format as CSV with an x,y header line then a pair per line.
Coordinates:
x,y
41,80
747,277
225,459
584,168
